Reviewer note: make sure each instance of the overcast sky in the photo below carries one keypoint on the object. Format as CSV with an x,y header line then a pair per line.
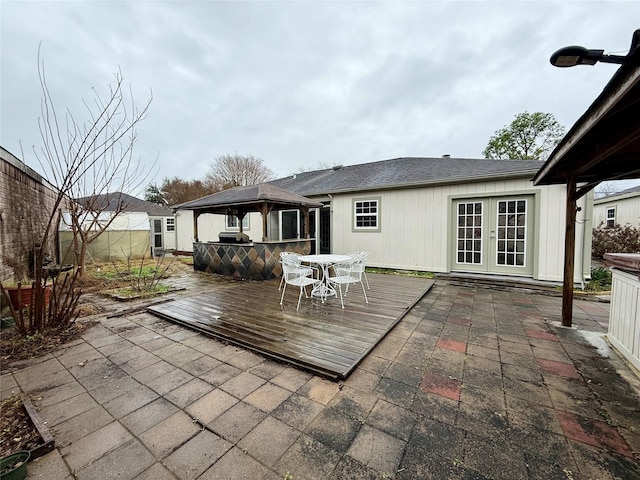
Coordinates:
x,y
303,84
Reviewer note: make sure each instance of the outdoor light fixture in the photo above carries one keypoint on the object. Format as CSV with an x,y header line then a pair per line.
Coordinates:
x,y
572,56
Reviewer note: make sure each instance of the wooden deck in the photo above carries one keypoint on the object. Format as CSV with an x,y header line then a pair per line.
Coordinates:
x,y
322,338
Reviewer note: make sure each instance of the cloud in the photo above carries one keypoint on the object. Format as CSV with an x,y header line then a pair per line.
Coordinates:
x,y
300,83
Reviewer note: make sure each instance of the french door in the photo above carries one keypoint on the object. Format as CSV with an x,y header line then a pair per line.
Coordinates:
x,y
494,235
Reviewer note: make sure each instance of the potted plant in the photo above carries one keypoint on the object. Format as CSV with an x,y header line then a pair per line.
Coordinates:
x,y
14,466
21,294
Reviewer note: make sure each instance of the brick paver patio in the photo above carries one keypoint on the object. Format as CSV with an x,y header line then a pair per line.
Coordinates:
x,y
474,383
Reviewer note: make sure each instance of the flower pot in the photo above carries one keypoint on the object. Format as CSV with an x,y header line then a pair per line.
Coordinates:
x,y
25,296
14,466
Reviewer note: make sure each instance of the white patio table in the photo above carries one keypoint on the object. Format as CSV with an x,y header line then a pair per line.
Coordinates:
x,y
324,261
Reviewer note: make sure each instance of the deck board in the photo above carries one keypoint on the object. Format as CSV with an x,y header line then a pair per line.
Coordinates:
x,y
321,337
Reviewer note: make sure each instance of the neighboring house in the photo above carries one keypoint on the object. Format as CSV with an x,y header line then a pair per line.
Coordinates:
x,y
620,208
142,228
26,202
429,214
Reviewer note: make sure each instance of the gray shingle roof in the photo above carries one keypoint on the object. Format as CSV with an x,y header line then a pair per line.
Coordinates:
x,y
109,201
250,195
405,172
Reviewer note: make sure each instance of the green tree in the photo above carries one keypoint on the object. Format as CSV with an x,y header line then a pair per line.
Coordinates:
x,y
531,136
153,194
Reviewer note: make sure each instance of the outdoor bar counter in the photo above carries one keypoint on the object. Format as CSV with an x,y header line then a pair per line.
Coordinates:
x,y
248,261
624,316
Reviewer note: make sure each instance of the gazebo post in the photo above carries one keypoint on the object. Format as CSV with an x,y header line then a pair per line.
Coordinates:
x,y
265,213
569,252
196,214
241,214
305,213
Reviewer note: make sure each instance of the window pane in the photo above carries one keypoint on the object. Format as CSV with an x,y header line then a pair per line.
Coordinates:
x,y
366,214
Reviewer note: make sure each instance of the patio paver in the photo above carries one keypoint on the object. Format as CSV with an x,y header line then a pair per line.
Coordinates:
x,y
474,383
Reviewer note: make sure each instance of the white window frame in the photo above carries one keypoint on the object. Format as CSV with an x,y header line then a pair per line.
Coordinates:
x,y
514,229
170,224
231,223
610,218
298,220
473,239
359,203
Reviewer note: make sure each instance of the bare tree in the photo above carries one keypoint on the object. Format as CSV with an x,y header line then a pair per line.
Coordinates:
x,y
82,160
229,171
320,166
605,189
88,160
175,190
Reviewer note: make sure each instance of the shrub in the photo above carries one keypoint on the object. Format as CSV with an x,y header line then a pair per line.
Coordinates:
x,y
600,280
616,239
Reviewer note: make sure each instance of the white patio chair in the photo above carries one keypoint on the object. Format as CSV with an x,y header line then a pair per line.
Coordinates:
x,y
293,274
361,263
295,258
359,260
346,274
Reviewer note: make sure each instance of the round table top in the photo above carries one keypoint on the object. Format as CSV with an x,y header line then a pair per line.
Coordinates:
x,y
324,258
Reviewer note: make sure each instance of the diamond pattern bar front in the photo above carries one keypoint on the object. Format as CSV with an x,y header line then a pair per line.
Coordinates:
x,y
250,261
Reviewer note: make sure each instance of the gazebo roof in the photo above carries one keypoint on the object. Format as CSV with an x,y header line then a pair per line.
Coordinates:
x,y
248,198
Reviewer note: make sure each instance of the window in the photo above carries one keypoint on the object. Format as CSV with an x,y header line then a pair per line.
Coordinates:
x,y
366,214
611,217
290,224
171,224
232,222
469,235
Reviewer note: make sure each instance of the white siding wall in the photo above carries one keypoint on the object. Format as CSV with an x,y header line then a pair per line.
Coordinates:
x,y
627,210
624,318
415,226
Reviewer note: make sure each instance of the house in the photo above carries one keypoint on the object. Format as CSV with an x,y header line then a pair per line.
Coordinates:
x,y
620,208
26,202
141,228
445,214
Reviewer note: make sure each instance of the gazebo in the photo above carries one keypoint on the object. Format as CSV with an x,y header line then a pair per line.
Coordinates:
x,y
256,260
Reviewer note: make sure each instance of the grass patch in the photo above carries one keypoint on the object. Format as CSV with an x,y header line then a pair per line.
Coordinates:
x,y
600,280
392,271
112,273
133,292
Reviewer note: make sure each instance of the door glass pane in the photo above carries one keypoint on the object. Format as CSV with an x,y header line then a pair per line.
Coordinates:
x,y
469,239
157,233
511,225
